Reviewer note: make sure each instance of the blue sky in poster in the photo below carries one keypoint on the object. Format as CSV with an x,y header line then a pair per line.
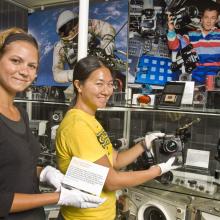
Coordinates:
x,y
42,25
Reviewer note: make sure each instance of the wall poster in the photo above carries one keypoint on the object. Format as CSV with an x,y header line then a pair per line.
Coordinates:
x,y
150,60
56,32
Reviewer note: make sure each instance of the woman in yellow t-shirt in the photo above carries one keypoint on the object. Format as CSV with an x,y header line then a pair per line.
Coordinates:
x,y
81,135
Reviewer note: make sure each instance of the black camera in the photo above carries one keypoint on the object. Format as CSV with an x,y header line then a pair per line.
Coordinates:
x,y
166,147
183,16
162,149
148,21
186,57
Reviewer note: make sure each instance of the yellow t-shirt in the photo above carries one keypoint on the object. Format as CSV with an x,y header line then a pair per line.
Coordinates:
x,y
81,135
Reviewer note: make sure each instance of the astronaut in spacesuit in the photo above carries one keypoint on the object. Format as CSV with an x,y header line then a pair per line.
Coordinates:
x,y
65,50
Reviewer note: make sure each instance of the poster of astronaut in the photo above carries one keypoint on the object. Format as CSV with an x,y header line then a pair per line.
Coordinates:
x,y
56,30
154,55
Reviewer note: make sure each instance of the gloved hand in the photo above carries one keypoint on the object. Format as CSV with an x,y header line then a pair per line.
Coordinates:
x,y
107,44
150,137
165,167
52,176
76,198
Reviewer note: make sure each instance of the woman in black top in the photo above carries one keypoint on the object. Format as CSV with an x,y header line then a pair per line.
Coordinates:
x,y
19,175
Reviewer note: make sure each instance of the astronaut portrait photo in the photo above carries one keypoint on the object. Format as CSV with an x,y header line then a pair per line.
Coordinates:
x,y
56,30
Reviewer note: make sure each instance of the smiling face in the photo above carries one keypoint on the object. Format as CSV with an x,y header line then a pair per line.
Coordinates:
x,y
95,91
18,66
209,20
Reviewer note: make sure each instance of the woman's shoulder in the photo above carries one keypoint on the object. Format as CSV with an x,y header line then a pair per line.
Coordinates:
x,y
76,119
72,119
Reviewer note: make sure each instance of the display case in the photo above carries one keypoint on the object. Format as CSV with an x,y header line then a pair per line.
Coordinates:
x,y
192,185
193,188
196,189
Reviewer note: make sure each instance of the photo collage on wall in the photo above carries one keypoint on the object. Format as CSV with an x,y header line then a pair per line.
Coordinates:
x,y
52,26
150,60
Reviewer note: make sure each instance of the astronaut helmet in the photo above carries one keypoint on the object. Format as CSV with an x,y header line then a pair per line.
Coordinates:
x,y
67,25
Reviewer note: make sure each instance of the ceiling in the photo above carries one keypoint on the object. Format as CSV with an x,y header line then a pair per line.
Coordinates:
x,y
35,4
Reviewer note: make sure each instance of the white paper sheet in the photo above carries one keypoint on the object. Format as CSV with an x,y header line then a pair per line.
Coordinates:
x,y
197,158
86,176
187,98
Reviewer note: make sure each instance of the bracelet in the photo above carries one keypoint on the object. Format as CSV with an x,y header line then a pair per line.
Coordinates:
x,y
143,145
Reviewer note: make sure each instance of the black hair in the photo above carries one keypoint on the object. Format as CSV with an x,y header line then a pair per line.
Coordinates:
x,y
85,67
211,7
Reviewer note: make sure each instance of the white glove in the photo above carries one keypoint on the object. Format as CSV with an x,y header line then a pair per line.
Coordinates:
x,y
52,176
165,167
76,198
107,44
150,137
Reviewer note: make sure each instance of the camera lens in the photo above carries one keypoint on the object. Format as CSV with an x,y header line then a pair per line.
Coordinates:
x,y
56,117
192,11
166,178
170,146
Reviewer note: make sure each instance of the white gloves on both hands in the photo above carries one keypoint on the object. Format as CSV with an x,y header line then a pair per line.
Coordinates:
x,y
167,166
76,198
68,197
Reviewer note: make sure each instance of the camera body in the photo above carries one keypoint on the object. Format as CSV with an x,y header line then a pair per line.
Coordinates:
x,y
186,57
166,147
183,16
148,21
163,148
